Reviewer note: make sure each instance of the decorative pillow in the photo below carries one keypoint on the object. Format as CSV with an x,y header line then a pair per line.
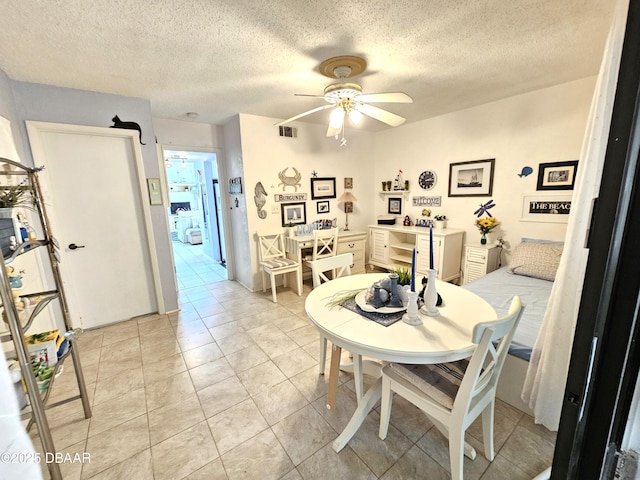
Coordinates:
x,y
537,240
538,260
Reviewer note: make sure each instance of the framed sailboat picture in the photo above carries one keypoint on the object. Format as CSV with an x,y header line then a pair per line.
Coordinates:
x,y
471,179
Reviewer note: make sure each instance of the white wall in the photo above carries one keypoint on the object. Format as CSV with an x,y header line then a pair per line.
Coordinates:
x,y
187,134
265,154
47,103
538,127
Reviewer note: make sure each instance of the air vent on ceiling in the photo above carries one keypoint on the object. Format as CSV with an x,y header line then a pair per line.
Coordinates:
x,y
288,132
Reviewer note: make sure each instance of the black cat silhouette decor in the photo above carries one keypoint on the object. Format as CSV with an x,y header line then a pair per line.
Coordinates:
x,y
117,123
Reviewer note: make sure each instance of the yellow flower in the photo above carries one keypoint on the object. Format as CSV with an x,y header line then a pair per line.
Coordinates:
x,y
485,225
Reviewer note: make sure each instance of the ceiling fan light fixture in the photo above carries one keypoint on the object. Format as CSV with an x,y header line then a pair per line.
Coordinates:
x,y
355,116
336,118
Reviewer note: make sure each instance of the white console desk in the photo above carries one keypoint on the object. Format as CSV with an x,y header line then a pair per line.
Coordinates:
x,y
348,242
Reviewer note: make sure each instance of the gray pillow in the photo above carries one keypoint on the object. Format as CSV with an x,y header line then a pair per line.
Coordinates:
x,y
538,260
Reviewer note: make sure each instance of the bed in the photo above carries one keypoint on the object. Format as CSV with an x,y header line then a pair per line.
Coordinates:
x,y
530,275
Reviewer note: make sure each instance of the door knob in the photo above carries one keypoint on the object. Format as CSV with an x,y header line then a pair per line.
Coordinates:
x,y
73,246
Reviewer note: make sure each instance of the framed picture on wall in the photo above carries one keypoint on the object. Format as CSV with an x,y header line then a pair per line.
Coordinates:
x,y
557,175
547,208
322,207
471,179
395,206
323,188
348,182
293,213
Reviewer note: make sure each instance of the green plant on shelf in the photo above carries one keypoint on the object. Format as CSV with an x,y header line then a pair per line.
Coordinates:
x,y
440,218
12,196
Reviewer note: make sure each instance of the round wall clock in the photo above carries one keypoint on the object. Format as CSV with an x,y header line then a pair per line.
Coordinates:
x,y
427,179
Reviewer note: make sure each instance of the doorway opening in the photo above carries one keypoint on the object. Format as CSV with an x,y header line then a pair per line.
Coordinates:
x,y
195,217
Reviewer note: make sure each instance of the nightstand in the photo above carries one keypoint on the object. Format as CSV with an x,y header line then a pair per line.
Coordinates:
x,y
480,260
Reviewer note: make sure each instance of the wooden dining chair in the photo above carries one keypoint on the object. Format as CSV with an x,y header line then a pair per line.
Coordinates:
x,y
454,394
340,265
274,261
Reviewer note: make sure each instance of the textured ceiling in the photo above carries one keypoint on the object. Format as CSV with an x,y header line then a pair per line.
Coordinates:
x,y
224,57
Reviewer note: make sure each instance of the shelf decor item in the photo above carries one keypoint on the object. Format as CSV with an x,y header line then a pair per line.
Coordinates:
x,y
440,222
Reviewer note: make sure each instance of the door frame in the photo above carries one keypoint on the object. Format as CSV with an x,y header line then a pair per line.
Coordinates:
x,y
35,129
224,200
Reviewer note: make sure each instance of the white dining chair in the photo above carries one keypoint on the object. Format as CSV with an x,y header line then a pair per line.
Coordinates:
x,y
274,261
454,394
325,244
340,265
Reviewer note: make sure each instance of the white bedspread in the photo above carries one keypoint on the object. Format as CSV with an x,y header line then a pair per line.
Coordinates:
x,y
499,287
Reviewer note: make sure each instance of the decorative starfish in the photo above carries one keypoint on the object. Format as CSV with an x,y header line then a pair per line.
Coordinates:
x,y
314,174
484,208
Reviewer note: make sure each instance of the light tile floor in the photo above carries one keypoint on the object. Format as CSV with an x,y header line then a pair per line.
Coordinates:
x,y
228,388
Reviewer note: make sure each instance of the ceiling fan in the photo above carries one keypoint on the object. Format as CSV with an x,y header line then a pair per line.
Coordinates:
x,y
347,99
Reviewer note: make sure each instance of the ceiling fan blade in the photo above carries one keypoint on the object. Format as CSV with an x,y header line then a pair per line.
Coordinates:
x,y
381,115
308,95
304,114
390,97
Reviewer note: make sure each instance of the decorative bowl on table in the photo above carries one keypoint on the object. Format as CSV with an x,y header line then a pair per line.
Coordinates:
x,y
384,296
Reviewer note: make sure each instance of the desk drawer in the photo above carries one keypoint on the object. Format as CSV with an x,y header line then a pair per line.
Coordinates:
x,y
351,247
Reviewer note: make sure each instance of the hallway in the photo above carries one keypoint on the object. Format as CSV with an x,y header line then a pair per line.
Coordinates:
x,y
194,268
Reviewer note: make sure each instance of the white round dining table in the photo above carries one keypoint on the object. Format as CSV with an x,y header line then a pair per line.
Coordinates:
x,y
443,338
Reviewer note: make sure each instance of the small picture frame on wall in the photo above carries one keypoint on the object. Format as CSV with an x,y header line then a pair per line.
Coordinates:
x,y
348,182
293,213
395,206
557,175
322,207
471,179
323,188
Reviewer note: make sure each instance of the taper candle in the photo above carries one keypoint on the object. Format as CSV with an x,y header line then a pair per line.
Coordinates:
x,y
413,271
431,248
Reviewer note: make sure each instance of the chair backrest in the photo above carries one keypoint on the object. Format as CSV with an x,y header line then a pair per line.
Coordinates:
x,y
339,264
271,243
325,243
482,373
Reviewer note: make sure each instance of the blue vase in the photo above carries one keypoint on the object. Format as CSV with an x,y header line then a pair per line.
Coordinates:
x,y
394,300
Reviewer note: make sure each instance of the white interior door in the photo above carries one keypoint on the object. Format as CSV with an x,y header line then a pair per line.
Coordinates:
x,y
91,188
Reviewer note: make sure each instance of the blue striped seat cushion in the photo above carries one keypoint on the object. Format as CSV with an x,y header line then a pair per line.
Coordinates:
x,y
278,262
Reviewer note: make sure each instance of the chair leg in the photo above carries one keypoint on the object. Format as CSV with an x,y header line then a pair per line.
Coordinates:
x,y
273,288
323,353
334,371
299,280
385,408
264,281
487,430
456,447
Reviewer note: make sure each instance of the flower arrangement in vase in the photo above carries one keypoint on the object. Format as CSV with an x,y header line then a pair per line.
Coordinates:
x,y
485,225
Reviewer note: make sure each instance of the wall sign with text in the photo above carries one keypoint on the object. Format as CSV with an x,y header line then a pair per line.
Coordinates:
x,y
551,208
